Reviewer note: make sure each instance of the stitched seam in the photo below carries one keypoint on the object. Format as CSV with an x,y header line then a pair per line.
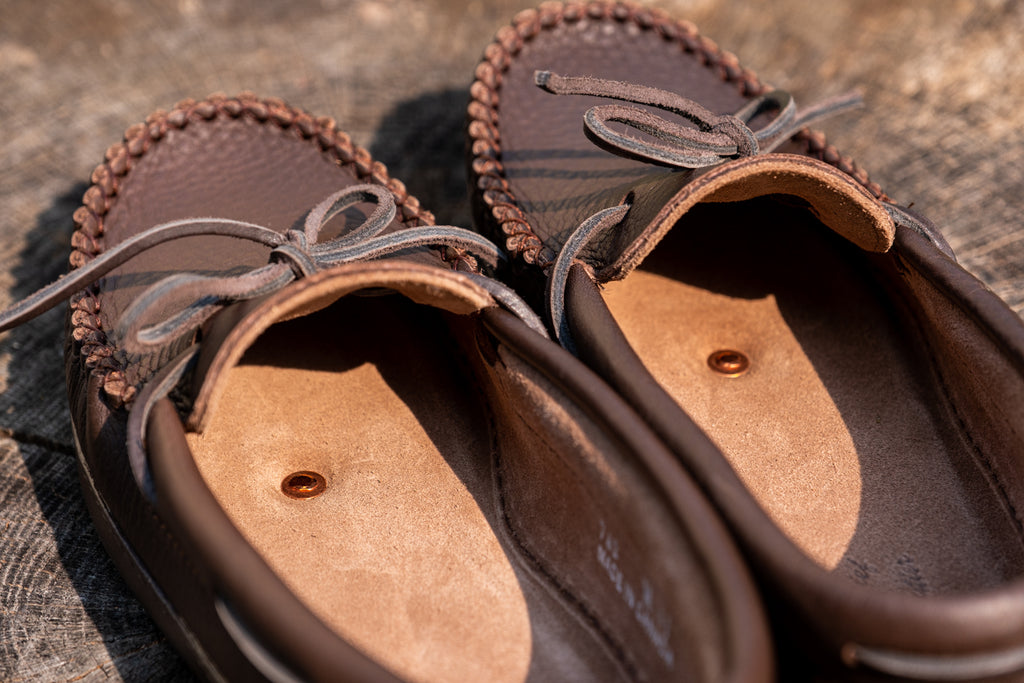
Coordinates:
x,y
987,464
488,171
175,547
532,561
538,565
106,179
816,145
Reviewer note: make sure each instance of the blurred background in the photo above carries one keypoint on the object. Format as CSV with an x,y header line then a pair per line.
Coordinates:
x,y
942,128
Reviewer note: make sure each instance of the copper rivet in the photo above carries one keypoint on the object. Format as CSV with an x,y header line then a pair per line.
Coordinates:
x,y
303,484
728,362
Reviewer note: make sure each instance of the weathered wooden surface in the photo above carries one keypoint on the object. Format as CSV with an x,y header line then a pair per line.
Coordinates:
x,y
944,86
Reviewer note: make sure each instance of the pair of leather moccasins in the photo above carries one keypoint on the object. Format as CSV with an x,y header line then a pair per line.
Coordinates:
x,y
761,426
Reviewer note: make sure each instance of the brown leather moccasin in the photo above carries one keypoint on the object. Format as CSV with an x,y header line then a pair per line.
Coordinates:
x,y
320,444
849,397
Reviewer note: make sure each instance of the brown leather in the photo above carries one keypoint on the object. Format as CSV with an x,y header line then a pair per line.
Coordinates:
x,y
921,623
868,459
274,167
236,161
229,576
537,176
229,335
744,655
542,524
492,509
834,197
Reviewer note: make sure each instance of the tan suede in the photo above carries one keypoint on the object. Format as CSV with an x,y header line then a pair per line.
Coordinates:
x,y
837,428
435,287
397,554
835,198
627,562
468,530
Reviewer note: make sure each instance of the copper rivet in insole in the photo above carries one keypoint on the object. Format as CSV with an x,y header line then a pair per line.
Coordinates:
x,y
303,484
728,362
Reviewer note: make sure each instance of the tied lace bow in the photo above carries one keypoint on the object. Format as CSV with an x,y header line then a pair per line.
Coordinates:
x,y
294,254
712,139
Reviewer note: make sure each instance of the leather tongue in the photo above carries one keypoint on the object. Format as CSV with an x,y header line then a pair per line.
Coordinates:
x,y
837,199
232,331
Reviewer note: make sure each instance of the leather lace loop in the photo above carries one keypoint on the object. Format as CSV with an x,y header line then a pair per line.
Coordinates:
x,y
294,254
711,139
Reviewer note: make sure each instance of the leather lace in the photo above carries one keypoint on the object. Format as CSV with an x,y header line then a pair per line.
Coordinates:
x,y
293,254
712,139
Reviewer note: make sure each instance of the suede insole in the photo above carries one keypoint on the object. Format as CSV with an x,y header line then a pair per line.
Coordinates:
x,y
837,427
400,554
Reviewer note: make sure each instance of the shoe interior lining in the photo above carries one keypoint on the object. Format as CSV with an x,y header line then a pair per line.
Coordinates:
x,y
453,541
839,426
